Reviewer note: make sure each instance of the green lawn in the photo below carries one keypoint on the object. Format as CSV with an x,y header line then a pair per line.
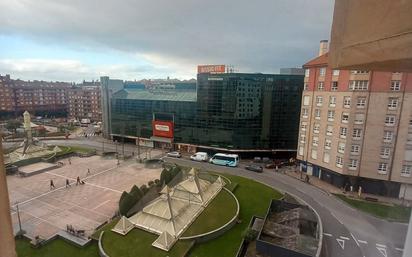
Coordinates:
x,y
254,199
56,248
138,243
219,212
394,213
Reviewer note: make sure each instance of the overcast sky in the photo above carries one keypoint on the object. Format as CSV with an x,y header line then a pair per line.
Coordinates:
x,y
72,40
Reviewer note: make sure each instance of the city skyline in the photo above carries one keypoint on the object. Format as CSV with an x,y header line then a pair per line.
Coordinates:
x,y
76,41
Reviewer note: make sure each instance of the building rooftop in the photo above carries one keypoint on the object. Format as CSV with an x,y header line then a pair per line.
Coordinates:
x,y
318,61
156,95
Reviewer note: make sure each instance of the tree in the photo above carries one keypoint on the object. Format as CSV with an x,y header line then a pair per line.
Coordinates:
x,y
13,125
144,189
136,192
127,201
250,234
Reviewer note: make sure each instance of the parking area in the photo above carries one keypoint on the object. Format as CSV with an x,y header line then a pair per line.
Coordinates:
x,y
45,210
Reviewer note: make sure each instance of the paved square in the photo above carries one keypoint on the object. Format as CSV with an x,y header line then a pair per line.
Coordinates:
x,y
45,211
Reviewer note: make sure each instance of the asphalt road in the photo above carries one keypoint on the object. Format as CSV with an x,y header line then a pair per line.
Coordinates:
x,y
347,232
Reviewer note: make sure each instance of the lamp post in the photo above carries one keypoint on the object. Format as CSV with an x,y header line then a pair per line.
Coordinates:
x,y
7,246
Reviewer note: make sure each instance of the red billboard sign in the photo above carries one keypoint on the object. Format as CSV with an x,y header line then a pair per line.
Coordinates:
x,y
162,128
211,69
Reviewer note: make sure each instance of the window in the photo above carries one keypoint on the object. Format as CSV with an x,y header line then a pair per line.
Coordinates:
x,y
345,117
361,102
300,150
322,71
387,136
353,164
335,73
346,102
329,130
406,170
339,161
410,122
390,120
359,118
328,144
319,100
395,85
307,72
326,157
306,100
331,115
359,72
393,103
302,138
341,147
358,85
385,152
332,101
315,141
314,154
355,149
317,114
334,86
342,132
304,125
382,168
356,133
321,86
304,113
316,128
305,86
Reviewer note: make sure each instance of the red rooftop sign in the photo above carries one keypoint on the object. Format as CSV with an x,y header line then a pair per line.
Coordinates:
x,y
211,69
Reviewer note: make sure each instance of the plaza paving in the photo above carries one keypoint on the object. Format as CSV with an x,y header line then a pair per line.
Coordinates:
x,y
44,212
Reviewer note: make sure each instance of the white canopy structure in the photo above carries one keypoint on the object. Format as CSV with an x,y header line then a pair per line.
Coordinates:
x,y
171,214
123,226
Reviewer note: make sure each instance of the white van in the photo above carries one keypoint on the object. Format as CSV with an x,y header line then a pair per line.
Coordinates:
x,y
199,156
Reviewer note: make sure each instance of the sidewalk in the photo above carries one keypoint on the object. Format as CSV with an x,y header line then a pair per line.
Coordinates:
x,y
330,189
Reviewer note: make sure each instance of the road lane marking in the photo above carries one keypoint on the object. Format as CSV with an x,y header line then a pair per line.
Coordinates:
x,y
399,249
327,234
380,245
344,237
363,242
341,242
336,218
356,241
382,250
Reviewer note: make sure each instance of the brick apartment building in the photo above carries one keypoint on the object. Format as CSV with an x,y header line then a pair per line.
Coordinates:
x,y
356,128
52,99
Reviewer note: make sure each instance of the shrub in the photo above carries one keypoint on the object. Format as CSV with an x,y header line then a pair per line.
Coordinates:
x,y
136,193
249,234
127,201
144,189
151,183
165,176
157,182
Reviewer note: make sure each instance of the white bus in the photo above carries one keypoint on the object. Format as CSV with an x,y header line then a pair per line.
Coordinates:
x,y
231,160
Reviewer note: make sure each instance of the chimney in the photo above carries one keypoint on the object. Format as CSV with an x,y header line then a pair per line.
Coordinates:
x,y
324,47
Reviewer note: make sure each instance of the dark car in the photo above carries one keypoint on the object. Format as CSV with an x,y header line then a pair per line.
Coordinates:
x,y
254,167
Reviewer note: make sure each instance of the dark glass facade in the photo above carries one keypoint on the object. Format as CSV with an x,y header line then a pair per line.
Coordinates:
x,y
231,110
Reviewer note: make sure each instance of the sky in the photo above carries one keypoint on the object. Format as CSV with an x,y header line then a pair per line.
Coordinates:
x,y
76,40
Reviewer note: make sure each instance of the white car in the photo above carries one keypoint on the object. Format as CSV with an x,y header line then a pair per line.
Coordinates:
x,y
174,154
199,156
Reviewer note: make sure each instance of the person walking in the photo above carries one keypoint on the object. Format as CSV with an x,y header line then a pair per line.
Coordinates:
x,y
78,181
70,161
88,172
67,183
52,185
307,178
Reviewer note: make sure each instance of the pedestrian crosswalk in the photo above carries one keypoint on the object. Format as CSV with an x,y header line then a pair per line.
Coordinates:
x,y
92,134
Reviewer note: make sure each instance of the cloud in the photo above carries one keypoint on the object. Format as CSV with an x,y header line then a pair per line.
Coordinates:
x,y
260,35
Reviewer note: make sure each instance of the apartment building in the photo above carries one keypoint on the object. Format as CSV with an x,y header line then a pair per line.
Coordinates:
x,y
85,102
356,128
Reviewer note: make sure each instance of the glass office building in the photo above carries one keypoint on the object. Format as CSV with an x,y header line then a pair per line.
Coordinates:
x,y
236,111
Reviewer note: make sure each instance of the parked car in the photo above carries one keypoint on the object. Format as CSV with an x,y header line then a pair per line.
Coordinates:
x,y
174,154
254,167
199,156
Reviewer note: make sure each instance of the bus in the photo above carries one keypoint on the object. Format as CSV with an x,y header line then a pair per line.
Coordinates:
x,y
231,160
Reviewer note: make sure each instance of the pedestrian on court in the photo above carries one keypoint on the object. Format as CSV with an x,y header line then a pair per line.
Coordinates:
x,y
78,181
88,172
70,161
359,191
307,178
67,183
52,185
351,188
